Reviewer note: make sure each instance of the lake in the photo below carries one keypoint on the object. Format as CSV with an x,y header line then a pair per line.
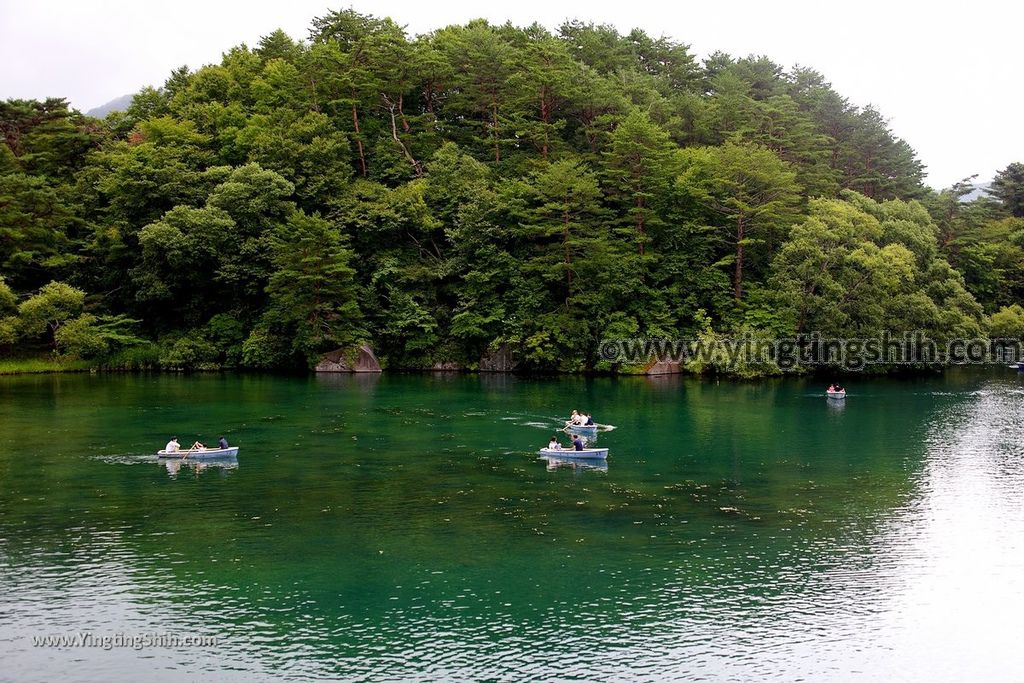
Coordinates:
x,y
402,527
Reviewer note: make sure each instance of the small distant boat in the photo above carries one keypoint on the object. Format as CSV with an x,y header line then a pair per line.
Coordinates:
x,y
592,453
197,454
836,394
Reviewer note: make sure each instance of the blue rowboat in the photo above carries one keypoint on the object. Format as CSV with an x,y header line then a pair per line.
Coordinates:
x,y
590,453
200,454
581,429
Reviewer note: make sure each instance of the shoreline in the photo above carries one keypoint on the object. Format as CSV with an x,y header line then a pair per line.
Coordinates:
x,y
39,366
13,369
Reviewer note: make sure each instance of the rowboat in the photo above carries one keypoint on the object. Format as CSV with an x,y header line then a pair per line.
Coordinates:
x,y
570,453
836,394
200,453
581,429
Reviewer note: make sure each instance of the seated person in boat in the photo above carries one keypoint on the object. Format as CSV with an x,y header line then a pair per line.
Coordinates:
x,y
589,421
172,445
575,418
553,445
577,442
198,446
223,443
831,388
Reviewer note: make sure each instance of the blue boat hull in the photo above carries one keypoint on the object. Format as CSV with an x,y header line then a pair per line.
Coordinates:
x,y
589,453
582,429
600,464
201,455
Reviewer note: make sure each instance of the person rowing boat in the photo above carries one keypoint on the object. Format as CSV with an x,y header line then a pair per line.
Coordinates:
x,y
578,419
198,450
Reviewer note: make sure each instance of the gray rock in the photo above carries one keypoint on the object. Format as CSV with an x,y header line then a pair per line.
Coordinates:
x,y
499,360
664,367
349,359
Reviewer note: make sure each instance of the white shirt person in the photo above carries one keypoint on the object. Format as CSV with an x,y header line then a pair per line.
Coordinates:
x,y
172,445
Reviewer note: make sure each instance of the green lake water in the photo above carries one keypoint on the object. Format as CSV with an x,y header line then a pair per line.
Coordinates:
x,y
402,527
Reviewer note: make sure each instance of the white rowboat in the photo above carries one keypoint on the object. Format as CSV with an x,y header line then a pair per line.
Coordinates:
x,y
836,394
200,453
591,453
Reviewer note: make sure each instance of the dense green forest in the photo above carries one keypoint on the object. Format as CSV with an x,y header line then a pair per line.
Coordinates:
x,y
480,187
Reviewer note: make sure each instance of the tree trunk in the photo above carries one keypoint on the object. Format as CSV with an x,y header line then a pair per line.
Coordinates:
x,y
494,124
545,117
738,284
804,305
640,234
416,166
401,113
568,255
586,119
359,141
312,94
428,96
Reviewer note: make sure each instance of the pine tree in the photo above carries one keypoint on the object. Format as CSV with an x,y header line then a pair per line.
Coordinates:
x,y
1008,188
312,290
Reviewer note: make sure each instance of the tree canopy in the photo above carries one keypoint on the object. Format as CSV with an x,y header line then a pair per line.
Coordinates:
x,y
475,188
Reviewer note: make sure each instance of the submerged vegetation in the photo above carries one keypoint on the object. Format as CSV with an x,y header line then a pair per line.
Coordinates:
x,y
475,189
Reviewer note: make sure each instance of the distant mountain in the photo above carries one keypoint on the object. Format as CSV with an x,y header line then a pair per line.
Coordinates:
x,y
120,104
980,190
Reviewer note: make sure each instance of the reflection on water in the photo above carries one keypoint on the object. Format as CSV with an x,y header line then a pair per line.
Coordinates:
x,y
836,406
362,382
175,465
956,553
402,527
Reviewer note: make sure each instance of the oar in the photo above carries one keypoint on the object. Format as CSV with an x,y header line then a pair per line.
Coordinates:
x,y
187,453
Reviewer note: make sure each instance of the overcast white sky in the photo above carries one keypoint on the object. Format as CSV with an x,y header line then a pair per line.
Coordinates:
x,y
947,74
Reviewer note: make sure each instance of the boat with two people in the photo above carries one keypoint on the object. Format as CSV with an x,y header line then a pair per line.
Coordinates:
x,y
555,462
835,392
197,450
578,450
581,423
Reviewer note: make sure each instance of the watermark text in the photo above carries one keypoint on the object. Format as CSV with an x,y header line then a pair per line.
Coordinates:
x,y
812,350
134,641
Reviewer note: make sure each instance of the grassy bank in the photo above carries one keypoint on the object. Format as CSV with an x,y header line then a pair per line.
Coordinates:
x,y
19,366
